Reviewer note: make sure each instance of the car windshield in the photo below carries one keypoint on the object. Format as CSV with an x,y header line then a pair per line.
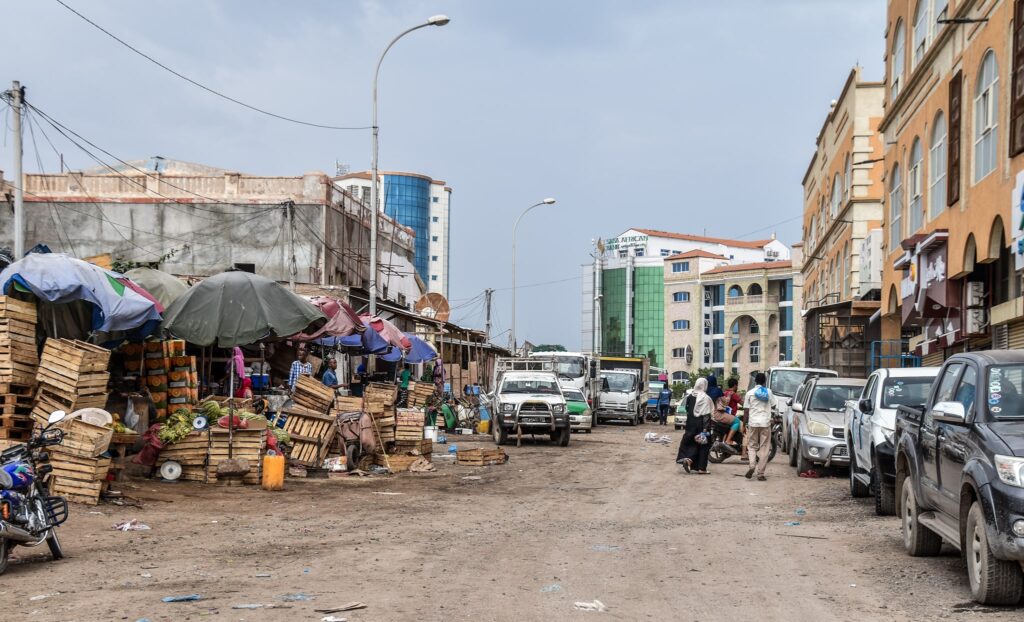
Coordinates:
x,y
546,387
833,397
573,396
1005,387
619,383
906,392
569,367
785,382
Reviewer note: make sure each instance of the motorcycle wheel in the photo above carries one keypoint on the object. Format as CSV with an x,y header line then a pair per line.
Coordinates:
x,y
776,443
718,455
54,544
5,551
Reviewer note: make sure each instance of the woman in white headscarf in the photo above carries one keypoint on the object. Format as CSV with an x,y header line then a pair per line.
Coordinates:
x,y
693,454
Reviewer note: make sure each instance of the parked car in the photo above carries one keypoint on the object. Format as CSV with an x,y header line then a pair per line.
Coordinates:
x,y
960,471
818,435
786,414
870,426
581,418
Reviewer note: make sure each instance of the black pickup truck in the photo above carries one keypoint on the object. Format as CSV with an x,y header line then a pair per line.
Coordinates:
x,y
960,471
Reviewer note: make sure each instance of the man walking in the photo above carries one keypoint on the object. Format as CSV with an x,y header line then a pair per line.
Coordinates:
x,y
758,404
300,367
664,404
330,378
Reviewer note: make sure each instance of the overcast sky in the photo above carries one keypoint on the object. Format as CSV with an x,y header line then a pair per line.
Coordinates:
x,y
681,115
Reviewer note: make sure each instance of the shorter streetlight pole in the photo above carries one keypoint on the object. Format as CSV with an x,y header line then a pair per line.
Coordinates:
x,y
515,230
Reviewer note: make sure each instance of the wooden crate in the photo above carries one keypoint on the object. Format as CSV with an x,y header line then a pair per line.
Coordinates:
x,y
383,393
87,493
348,404
70,466
397,462
480,456
312,394
84,439
12,308
424,445
311,433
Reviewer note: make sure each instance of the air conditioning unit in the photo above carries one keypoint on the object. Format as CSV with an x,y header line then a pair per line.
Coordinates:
x,y
1001,337
976,321
975,294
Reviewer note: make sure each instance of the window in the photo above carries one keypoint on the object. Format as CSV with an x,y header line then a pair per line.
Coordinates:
x,y
755,351
433,238
434,219
681,297
678,353
914,183
638,251
898,59
785,348
948,383
953,159
895,209
847,274
837,196
681,266
735,291
679,376
848,178
433,277
707,323
922,31
433,199
623,252
664,252
754,328
937,168
968,389
681,325
986,117
1017,87
433,258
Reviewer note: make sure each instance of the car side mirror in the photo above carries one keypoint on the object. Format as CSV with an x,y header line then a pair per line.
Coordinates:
x,y
798,408
56,417
866,406
949,412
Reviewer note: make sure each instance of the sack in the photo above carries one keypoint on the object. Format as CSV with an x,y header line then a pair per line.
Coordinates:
x,y
761,394
702,438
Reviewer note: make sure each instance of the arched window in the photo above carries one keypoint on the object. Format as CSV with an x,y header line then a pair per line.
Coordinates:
x,y
754,328
735,291
922,31
754,289
937,167
898,59
837,195
847,274
895,209
848,178
755,351
915,187
986,117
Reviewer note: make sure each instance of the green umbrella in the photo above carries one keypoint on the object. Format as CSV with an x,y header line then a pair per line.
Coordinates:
x,y
166,288
238,308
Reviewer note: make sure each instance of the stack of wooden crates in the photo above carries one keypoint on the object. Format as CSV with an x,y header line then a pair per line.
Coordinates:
x,y
419,394
18,361
79,473
201,451
72,375
312,394
312,432
379,402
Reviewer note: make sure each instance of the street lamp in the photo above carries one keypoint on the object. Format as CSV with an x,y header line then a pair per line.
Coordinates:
x,y
515,229
436,20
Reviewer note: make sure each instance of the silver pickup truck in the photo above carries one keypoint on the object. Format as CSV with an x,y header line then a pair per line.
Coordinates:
x,y
528,400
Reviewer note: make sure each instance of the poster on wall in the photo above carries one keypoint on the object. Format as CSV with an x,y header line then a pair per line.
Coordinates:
x,y
1017,222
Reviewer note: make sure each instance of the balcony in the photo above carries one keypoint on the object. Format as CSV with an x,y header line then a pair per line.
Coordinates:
x,y
755,302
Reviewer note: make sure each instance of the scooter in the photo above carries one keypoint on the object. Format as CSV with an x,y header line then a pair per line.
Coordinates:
x,y
28,516
720,451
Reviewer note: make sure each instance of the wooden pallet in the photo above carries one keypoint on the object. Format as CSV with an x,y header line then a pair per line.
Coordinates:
x,y
423,445
348,404
311,434
398,462
311,393
15,434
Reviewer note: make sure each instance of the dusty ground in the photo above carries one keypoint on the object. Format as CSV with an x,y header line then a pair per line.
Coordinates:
x,y
608,518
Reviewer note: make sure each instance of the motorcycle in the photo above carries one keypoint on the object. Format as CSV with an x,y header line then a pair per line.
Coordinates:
x,y
28,516
720,451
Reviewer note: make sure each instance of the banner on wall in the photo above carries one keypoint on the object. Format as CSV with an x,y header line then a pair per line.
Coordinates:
x,y
1017,222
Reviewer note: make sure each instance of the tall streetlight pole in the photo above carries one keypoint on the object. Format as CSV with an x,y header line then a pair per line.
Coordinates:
x,y
515,230
437,20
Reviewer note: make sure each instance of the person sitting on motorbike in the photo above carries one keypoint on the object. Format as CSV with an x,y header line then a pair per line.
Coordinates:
x,y
732,396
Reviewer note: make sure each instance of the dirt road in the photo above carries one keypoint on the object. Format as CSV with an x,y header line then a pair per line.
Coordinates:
x,y
609,518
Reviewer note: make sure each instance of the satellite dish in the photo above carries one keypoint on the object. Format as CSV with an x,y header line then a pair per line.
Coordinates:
x,y
434,306
170,470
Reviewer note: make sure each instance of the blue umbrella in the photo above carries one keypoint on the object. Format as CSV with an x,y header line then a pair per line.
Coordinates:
x,y
369,340
420,352
392,356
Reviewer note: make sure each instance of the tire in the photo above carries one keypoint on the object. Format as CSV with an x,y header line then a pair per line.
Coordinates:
x,y
792,455
885,497
561,437
802,464
500,433
5,552
857,489
918,540
774,448
352,455
54,543
993,581
717,456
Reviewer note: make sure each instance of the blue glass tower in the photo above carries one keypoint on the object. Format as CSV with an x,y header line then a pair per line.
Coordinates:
x,y
407,200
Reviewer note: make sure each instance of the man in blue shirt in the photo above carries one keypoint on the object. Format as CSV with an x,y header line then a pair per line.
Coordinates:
x,y
330,378
664,404
299,367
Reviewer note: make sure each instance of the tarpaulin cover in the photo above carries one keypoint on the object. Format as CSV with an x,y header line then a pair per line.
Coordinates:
x,y
166,288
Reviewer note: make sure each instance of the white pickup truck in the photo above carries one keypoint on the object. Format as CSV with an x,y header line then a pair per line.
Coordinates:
x,y
870,423
528,399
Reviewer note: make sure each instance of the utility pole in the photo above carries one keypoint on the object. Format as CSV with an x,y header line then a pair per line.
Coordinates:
x,y
289,210
17,96
487,304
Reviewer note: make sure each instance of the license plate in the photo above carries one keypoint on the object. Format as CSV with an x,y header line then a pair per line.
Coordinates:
x,y
533,420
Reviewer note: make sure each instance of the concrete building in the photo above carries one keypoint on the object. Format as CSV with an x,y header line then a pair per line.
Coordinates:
x,y
624,289
842,232
190,219
735,318
954,175
420,203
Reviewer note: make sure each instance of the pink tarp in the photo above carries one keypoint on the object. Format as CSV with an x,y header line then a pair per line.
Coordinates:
x,y
388,331
342,319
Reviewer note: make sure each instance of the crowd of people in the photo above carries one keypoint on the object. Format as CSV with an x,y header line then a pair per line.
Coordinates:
x,y
708,408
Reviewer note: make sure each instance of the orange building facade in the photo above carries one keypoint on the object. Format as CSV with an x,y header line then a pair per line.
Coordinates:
x,y
953,135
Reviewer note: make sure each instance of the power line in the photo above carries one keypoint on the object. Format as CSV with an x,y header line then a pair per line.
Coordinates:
x,y
200,85
505,289
54,213
781,222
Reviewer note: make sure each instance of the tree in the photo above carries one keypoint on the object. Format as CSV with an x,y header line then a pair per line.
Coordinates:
x,y
678,390
550,347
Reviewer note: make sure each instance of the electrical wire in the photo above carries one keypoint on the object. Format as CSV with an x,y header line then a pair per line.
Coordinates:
x,y
772,226
203,86
54,213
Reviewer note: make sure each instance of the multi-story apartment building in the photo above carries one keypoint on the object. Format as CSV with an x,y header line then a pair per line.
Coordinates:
x,y
842,232
735,318
954,134
420,203
624,309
